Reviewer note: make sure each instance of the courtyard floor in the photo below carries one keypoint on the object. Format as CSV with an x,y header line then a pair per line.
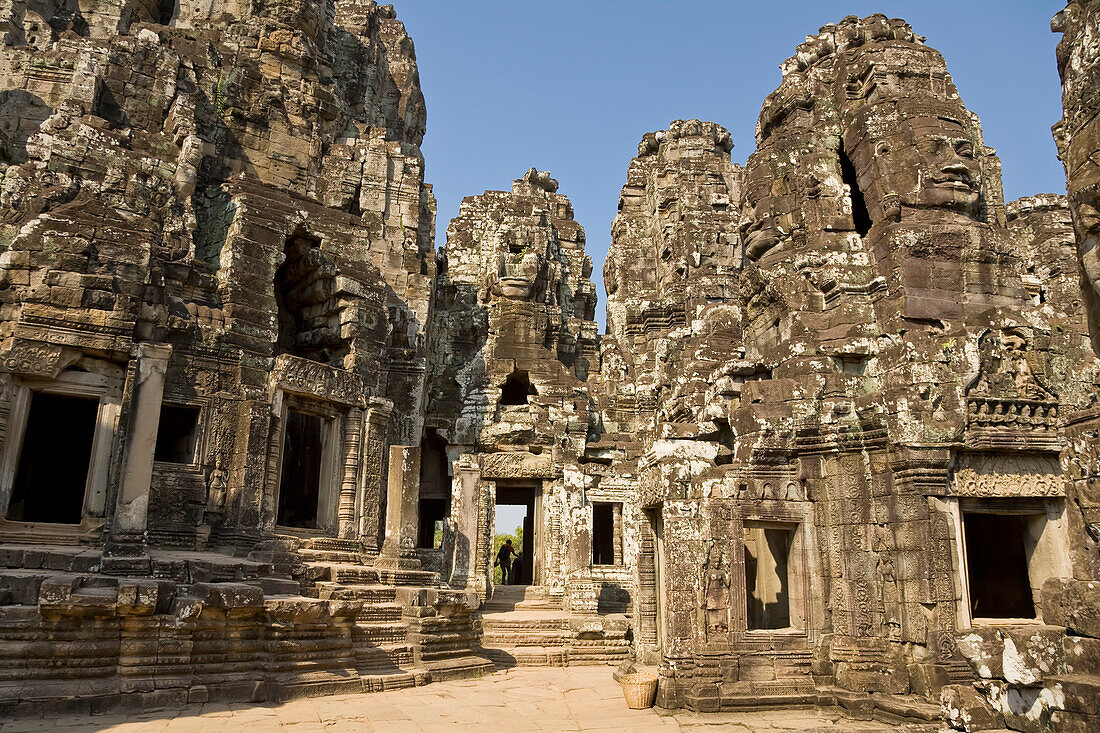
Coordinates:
x,y
518,700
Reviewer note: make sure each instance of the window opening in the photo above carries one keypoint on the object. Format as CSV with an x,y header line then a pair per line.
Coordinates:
x,y
517,389
997,565
308,309
767,560
299,485
432,514
606,533
52,473
861,217
176,434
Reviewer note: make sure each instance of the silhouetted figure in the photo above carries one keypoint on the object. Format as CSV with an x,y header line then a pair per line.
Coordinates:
x,y
504,560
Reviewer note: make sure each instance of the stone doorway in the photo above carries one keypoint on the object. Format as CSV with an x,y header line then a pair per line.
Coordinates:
x,y
47,489
526,499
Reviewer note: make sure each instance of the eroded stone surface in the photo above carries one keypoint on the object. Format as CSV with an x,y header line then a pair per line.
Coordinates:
x,y
837,447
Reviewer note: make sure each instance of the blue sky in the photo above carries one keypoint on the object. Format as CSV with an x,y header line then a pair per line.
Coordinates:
x,y
570,86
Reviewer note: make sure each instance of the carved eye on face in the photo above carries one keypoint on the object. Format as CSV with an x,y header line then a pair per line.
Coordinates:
x,y
964,149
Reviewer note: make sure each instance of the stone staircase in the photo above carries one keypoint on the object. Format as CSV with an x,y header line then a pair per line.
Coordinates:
x,y
524,626
296,617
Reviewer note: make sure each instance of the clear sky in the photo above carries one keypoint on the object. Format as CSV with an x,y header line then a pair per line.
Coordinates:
x,y
570,86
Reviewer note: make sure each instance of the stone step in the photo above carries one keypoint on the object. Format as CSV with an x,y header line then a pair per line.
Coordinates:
x,y
65,559
23,585
490,624
374,594
524,638
527,656
346,573
381,633
330,556
1082,655
1080,693
277,586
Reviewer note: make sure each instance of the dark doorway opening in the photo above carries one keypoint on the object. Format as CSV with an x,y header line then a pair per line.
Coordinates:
x,y
52,474
606,533
996,565
435,489
523,497
300,482
308,308
861,217
517,389
767,553
176,434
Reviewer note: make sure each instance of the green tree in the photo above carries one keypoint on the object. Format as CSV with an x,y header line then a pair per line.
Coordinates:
x,y
516,536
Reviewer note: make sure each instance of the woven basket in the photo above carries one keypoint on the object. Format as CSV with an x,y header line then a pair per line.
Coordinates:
x,y
639,689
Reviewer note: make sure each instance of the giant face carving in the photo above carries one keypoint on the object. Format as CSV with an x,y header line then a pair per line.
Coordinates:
x,y
927,162
949,174
765,222
1085,205
521,263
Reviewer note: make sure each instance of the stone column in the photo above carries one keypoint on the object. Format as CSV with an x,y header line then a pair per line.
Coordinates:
x,y
353,439
125,550
370,477
464,499
402,510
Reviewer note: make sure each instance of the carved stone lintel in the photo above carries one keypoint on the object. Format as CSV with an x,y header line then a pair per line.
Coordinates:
x,y
311,378
993,475
517,465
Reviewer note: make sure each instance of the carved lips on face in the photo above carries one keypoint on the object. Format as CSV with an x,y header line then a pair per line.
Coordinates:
x,y
1086,218
760,236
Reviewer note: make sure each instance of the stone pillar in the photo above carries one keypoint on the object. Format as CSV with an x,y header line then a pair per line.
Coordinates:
x,y
125,550
353,440
581,592
464,511
370,477
402,510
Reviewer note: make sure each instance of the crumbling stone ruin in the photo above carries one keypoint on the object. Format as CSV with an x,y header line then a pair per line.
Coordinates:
x,y
837,447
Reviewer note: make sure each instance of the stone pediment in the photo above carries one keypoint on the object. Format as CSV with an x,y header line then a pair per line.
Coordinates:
x,y
313,379
518,464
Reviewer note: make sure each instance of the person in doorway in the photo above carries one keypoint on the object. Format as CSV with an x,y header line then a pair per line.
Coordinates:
x,y
504,560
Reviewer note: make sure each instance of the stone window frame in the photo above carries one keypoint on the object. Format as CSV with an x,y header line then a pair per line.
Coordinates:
x,y
332,460
199,450
796,515
1049,560
71,384
618,510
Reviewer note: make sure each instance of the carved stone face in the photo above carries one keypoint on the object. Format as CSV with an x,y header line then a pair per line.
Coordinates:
x,y
521,265
930,164
1086,221
764,224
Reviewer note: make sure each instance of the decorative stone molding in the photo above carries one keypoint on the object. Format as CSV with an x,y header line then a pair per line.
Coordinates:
x,y
993,474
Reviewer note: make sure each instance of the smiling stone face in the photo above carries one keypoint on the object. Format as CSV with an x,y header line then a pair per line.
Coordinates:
x,y
1085,205
947,172
521,263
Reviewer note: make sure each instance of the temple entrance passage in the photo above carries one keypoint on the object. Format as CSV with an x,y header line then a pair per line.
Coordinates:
x,y
52,473
300,481
997,565
515,514
767,549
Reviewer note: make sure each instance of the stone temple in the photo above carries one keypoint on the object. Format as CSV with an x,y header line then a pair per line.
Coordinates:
x,y
839,445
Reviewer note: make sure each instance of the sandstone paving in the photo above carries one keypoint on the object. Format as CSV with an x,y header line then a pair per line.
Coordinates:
x,y
522,699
